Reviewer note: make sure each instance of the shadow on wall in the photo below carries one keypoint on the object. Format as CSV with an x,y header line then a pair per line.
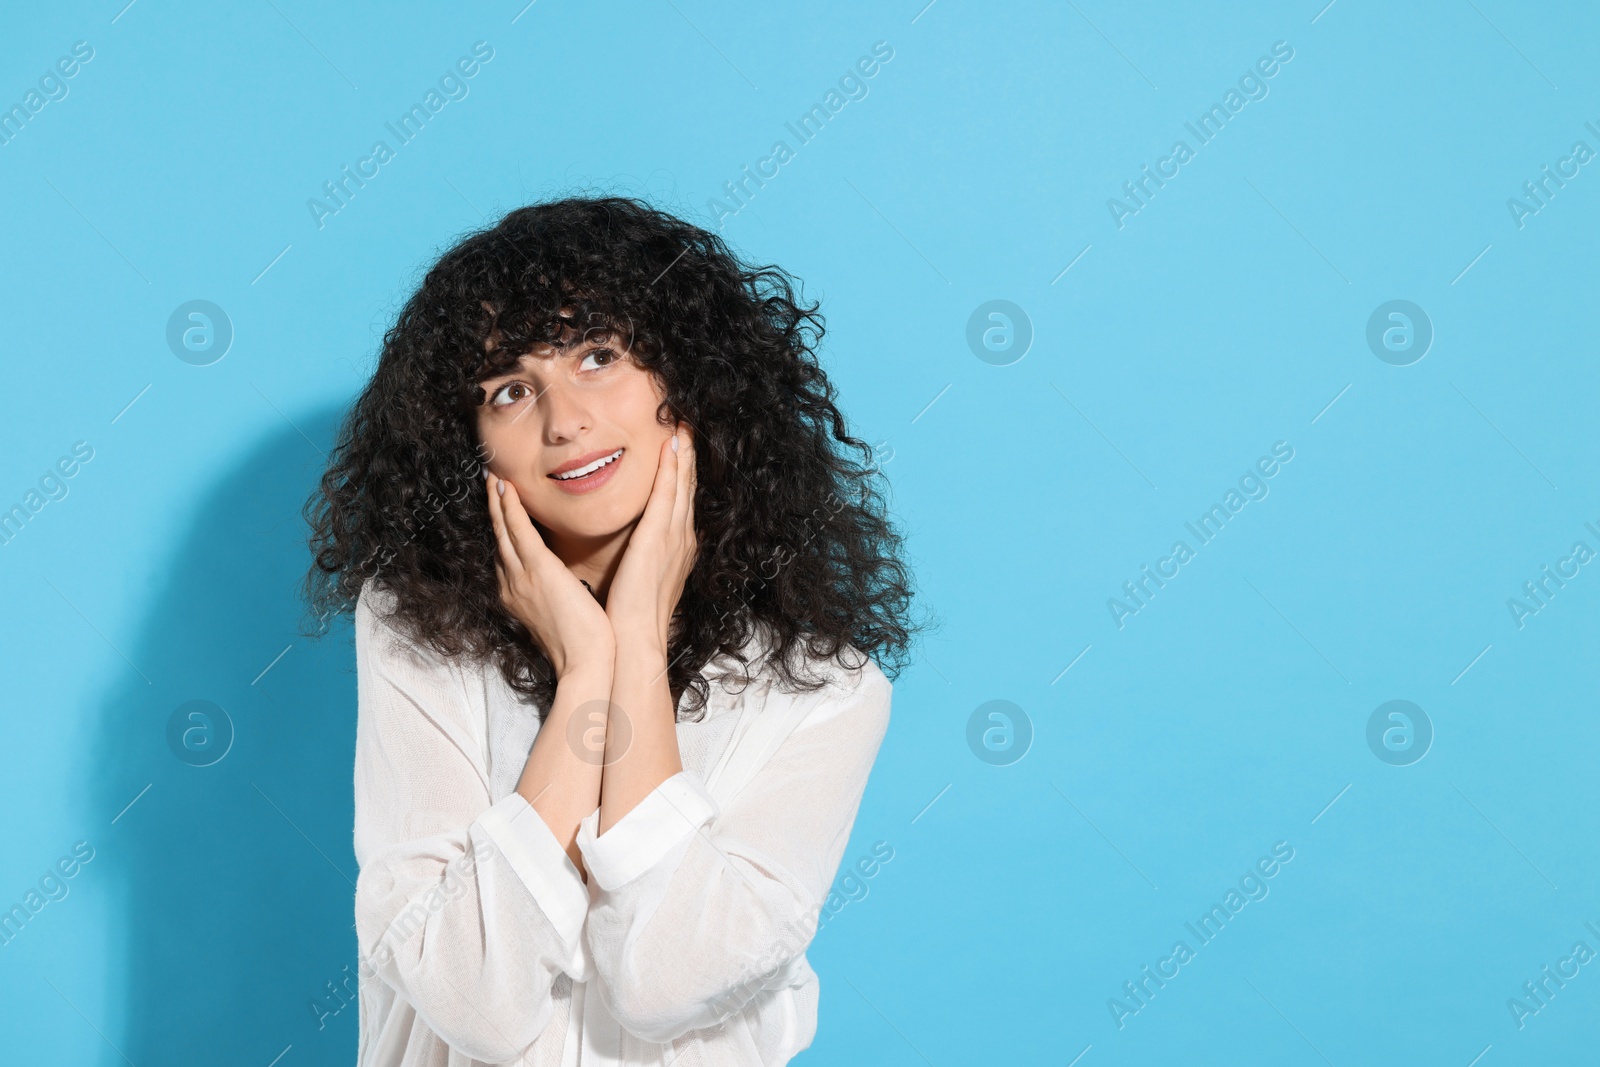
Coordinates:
x,y
238,872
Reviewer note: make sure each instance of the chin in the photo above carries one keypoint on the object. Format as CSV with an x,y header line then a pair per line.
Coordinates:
x,y
584,520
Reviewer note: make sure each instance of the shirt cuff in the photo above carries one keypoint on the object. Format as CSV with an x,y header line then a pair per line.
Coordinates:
x,y
521,835
665,818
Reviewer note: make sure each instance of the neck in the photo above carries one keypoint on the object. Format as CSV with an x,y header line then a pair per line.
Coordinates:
x,y
593,559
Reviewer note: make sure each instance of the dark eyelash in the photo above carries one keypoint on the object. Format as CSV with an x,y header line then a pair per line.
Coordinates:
x,y
502,388
615,356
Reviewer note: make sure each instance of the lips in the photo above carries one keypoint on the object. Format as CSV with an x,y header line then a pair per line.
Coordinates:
x,y
592,459
587,472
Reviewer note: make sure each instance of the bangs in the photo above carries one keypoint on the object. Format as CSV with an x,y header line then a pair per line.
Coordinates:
x,y
530,321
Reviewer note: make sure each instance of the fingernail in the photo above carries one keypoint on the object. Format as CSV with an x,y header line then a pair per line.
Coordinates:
x,y
501,486
674,442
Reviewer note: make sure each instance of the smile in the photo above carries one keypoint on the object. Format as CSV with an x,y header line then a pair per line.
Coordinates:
x,y
590,476
589,468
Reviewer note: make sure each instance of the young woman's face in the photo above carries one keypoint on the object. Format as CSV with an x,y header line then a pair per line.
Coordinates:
x,y
570,411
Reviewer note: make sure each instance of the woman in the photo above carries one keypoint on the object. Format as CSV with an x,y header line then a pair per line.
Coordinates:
x,y
617,590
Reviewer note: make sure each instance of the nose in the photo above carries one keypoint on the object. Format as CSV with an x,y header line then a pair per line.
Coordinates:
x,y
565,414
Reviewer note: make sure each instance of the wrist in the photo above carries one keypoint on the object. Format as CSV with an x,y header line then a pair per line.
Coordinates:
x,y
641,645
636,628
594,668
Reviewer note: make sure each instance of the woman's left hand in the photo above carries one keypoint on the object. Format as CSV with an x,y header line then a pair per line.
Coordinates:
x,y
661,551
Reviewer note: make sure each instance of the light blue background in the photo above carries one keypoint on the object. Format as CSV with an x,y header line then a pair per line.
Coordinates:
x,y
1223,317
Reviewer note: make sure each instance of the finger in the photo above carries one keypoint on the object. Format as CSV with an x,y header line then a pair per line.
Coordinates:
x,y
694,467
505,587
694,485
683,500
659,503
530,547
502,535
690,534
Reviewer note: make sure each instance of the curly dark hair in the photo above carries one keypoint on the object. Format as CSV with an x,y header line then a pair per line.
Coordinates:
x,y
790,512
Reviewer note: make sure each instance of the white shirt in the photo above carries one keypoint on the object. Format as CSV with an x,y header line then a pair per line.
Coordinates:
x,y
481,943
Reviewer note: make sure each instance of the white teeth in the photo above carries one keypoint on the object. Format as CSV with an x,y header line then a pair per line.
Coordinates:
x,y
588,468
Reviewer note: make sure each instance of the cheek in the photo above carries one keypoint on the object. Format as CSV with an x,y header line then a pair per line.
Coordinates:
x,y
640,477
638,399
498,448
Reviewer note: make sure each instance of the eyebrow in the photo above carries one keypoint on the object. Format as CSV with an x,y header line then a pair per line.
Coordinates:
x,y
576,347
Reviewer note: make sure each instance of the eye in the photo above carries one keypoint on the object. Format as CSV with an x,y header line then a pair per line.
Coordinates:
x,y
503,390
610,358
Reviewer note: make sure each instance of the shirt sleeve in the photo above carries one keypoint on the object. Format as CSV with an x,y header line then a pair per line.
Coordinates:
x,y
467,908
695,910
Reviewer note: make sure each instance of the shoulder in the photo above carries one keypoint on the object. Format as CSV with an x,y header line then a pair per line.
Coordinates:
x,y
381,632
375,623
855,692
408,696
853,671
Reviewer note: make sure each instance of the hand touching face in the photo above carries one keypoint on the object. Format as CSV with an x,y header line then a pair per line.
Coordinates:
x,y
660,554
537,588
576,431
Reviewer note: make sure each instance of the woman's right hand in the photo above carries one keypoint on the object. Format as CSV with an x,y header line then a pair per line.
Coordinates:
x,y
564,617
